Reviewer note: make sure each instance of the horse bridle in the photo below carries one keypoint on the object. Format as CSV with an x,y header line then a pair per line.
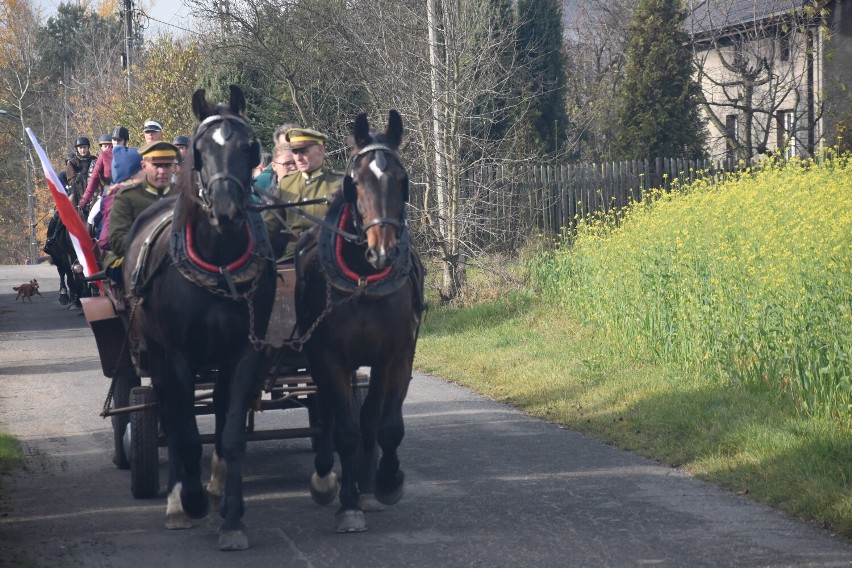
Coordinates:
x,y
381,163
204,189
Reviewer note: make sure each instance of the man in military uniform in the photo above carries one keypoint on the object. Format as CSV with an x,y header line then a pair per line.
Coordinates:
x,y
310,181
158,162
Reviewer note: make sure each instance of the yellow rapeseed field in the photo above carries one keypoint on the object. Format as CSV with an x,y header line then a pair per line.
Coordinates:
x,y
747,280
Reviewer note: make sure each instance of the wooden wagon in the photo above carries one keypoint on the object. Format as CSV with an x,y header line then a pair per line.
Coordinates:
x,y
286,382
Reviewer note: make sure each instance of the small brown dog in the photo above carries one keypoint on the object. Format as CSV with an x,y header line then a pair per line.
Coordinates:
x,y
27,290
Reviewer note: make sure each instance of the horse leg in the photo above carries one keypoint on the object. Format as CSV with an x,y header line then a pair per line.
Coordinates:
x,y
390,479
338,393
232,533
63,289
324,482
368,420
187,497
218,466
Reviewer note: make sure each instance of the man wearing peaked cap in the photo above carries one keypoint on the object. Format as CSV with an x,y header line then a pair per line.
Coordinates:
x,y
152,131
310,181
159,159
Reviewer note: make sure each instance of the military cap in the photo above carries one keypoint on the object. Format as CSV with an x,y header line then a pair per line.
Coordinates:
x,y
181,140
160,151
120,133
152,126
304,137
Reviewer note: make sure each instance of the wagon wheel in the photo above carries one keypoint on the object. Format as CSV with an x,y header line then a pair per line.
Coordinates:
x,y
144,444
121,398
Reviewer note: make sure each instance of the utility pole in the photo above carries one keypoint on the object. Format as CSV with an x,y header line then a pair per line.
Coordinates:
x,y
128,39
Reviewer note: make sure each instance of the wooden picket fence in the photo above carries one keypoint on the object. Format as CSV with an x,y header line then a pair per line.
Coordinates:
x,y
504,205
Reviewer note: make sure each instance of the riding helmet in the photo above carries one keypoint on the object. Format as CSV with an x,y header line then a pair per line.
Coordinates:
x,y
105,139
120,133
181,140
81,141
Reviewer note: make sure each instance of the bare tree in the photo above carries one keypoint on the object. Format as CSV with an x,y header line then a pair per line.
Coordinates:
x,y
756,64
20,87
596,39
447,66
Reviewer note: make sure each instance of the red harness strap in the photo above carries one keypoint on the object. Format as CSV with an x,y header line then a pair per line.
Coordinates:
x,y
338,253
201,263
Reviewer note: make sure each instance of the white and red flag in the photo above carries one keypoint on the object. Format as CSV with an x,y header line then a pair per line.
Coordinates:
x,y
67,212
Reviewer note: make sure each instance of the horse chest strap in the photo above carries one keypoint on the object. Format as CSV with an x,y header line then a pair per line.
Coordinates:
x,y
229,280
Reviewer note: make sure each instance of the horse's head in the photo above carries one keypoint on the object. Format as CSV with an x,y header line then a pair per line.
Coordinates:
x,y
222,155
377,185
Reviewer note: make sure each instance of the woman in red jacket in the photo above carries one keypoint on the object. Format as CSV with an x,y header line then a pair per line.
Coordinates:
x,y
102,175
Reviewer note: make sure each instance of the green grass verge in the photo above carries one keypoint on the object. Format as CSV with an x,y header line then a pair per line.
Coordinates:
x,y
10,453
708,327
749,439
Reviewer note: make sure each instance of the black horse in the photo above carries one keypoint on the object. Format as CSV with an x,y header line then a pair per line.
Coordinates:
x,y
359,301
200,296
72,285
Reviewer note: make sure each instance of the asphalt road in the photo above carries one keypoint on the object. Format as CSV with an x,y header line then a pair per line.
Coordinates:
x,y
487,485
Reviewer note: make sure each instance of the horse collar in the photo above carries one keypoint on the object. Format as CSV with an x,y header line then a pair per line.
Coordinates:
x,y
338,254
212,268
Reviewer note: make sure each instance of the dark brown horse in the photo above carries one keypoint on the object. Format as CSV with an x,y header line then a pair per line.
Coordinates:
x,y
200,296
359,298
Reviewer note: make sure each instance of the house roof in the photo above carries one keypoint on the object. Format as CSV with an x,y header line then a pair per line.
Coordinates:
x,y
715,15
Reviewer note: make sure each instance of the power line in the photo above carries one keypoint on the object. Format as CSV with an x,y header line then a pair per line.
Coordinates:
x,y
142,12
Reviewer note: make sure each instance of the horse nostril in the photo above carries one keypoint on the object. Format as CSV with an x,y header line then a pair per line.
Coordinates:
x,y
372,256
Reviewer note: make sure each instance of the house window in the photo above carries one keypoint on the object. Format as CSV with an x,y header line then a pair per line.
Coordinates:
x,y
786,125
732,136
784,46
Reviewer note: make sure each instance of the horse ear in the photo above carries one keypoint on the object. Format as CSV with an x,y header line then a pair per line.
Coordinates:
x,y
199,104
393,134
349,192
361,132
238,100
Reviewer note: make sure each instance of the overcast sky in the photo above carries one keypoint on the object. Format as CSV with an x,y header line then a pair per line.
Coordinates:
x,y
165,15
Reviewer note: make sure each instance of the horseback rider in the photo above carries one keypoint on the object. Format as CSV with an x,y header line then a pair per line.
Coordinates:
x,y
102,174
182,144
159,160
309,181
78,167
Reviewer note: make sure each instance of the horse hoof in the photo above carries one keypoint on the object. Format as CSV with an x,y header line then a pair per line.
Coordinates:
x,y
195,503
233,540
369,503
349,521
324,489
392,494
178,521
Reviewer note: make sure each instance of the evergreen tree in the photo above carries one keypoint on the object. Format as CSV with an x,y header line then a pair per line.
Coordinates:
x,y
539,40
659,111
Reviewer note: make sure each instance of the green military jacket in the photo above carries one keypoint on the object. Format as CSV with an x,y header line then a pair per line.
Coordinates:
x,y
128,204
285,225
